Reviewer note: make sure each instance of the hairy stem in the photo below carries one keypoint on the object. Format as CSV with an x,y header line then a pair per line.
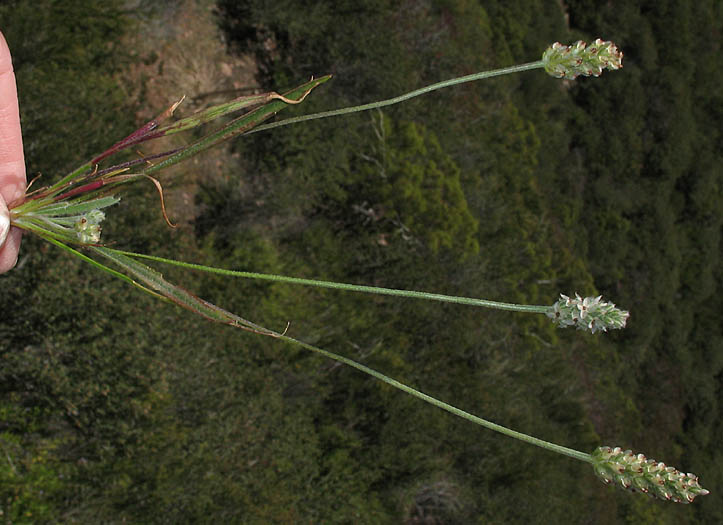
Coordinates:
x,y
396,100
440,404
350,287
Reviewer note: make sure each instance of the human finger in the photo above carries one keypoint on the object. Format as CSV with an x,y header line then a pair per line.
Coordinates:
x,y
12,160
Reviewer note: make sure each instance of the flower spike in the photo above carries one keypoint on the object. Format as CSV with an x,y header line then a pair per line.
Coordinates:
x,y
87,227
569,62
590,313
636,473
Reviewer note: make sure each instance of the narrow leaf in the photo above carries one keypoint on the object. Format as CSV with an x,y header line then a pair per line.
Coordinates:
x,y
155,281
239,125
76,208
214,112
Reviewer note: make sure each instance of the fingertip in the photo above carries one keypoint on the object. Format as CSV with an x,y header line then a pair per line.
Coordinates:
x,y
12,161
6,63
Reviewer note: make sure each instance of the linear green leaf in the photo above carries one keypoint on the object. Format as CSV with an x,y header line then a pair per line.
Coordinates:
x,y
214,112
239,125
76,208
154,280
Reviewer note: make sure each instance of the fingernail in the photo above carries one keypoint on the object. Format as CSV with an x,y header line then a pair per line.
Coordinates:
x,y
4,221
4,225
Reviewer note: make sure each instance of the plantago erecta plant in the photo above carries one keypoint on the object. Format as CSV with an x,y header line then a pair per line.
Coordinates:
x,y
70,212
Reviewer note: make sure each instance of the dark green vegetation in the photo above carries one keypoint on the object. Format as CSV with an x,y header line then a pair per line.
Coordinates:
x,y
115,407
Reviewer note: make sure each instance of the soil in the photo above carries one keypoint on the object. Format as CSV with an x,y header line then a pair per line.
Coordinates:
x,y
180,52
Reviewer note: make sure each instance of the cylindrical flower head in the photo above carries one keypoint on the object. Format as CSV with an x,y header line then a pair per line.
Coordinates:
x,y
587,314
88,227
569,62
636,473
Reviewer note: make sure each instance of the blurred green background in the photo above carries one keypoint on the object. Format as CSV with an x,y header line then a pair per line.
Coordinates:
x,y
115,408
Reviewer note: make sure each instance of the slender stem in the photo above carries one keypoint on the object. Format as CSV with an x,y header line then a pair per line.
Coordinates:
x,y
440,404
421,91
350,287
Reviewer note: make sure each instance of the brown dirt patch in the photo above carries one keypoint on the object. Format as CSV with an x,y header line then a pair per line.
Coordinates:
x,y
181,52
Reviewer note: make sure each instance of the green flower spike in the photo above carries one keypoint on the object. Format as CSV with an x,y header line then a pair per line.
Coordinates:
x,y
587,314
569,62
88,228
635,473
